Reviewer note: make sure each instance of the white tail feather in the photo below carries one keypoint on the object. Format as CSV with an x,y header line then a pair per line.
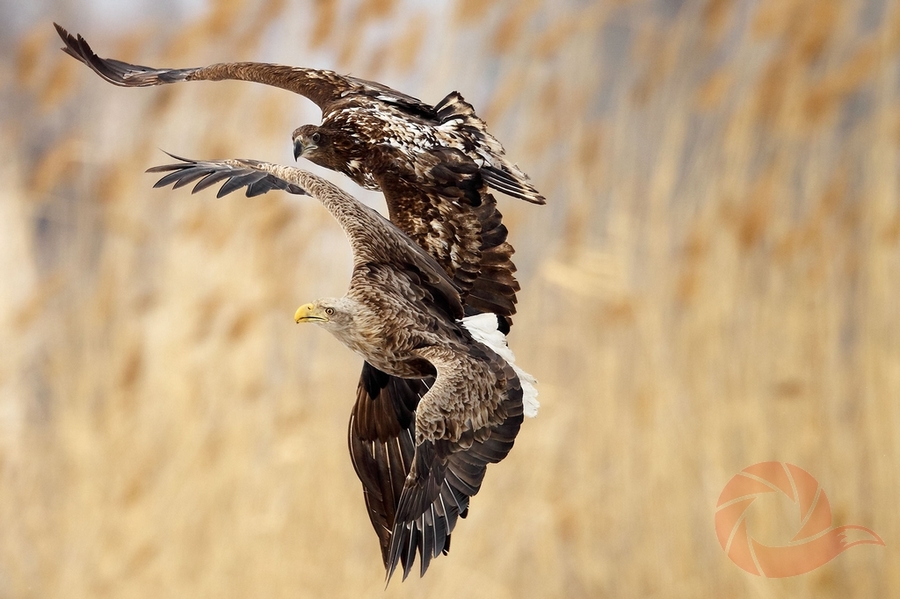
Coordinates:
x,y
483,328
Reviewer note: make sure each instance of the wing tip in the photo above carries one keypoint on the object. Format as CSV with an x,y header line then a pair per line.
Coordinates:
x,y
516,186
233,174
75,45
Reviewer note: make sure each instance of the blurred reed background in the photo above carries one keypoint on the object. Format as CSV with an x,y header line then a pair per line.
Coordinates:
x,y
714,282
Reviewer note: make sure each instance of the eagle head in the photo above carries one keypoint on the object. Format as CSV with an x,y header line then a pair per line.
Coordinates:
x,y
334,314
320,311
332,148
351,322
309,142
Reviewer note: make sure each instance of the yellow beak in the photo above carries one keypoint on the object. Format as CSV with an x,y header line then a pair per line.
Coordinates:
x,y
307,313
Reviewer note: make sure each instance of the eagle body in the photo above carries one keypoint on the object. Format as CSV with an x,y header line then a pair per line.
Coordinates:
x,y
433,179
375,323
440,396
383,323
354,125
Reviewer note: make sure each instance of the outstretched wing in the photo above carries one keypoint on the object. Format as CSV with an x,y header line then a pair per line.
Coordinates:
x,y
236,174
321,86
458,117
382,445
415,495
449,466
476,255
373,238
452,115
439,198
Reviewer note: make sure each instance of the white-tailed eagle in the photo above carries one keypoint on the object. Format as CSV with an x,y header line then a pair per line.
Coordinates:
x,y
404,315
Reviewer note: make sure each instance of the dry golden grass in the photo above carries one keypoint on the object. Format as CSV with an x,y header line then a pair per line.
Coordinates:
x,y
714,282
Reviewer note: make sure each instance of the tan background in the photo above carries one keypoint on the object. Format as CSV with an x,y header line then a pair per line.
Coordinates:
x,y
714,282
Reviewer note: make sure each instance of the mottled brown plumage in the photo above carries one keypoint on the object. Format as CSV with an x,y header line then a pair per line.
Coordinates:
x,y
402,313
435,166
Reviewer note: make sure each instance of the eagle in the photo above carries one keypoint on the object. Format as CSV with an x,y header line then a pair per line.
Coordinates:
x,y
405,316
436,167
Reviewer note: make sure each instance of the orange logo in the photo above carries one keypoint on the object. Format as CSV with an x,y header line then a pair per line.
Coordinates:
x,y
814,545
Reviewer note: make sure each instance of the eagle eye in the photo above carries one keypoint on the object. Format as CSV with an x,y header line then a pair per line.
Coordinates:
x,y
328,311
316,137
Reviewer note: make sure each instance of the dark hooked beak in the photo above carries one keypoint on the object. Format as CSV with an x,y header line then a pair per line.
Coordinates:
x,y
298,148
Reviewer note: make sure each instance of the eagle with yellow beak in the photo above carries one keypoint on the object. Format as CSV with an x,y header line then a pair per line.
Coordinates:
x,y
405,316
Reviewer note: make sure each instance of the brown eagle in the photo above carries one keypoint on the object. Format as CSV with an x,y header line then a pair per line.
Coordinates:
x,y
435,166
404,315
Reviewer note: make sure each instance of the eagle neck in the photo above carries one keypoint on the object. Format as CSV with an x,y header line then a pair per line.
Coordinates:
x,y
361,224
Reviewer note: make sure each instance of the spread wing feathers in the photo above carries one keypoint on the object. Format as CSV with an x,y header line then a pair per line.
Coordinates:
x,y
495,288
382,446
453,116
416,512
447,469
235,174
321,86
476,255
446,209
457,115
372,238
